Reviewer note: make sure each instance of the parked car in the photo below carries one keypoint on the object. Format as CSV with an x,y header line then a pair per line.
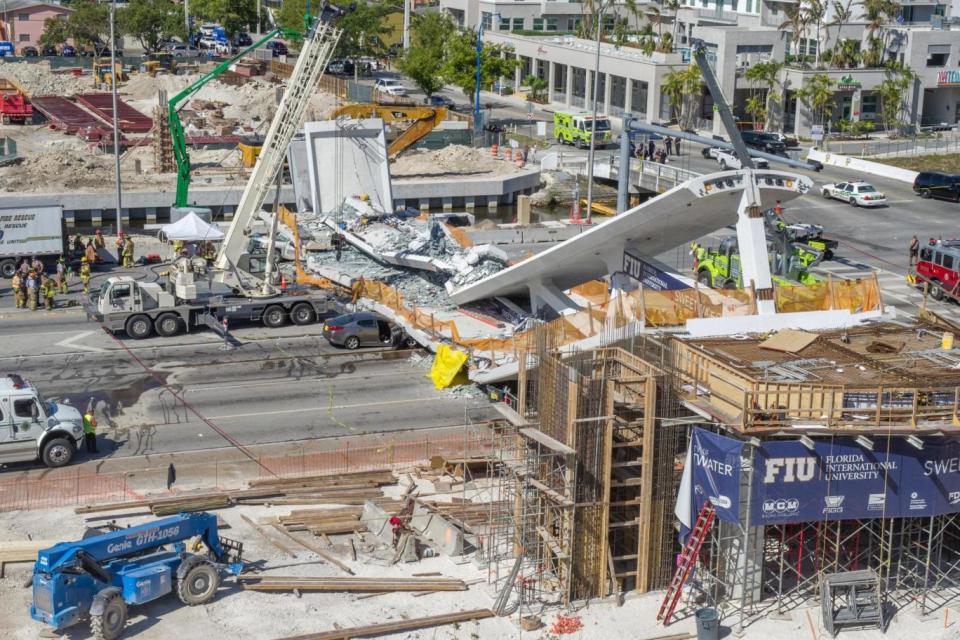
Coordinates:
x,y
932,184
763,141
363,329
439,101
856,192
340,67
29,52
789,142
278,48
727,159
242,39
48,50
390,87
184,51
710,152
68,51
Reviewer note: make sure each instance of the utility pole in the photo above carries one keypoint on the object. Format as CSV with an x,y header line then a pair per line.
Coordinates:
x,y
116,130
593,123
186,19
406,24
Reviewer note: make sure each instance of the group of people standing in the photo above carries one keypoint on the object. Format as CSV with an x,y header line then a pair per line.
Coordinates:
x,y
30,284
90,249
658,153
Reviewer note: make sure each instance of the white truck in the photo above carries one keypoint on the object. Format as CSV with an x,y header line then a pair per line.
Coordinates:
x,y
28,232
727,159
32,427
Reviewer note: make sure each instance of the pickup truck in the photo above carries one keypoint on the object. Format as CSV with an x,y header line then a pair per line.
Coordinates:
x,y
727,159
32,427
390,87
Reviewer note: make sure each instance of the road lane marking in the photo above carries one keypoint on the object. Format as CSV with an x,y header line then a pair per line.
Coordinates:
x,y
318,378
316,409
71,342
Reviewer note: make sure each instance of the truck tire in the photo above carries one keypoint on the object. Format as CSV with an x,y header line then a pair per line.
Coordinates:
x,y
303,313
8,268
723,165
274,316
168,325
57,452
199,585
936,290
138,327
109,624
925,194
704,278
578,143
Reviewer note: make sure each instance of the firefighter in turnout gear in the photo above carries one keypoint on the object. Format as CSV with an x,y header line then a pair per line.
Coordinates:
x,y
17,285
99,242
85,274
49,291
32,291
128,253
62,275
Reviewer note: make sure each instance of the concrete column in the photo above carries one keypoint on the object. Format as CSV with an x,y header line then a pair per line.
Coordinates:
x,y
551,67
607,91
96,217
492,204
124,216
628,97
469,203
588,89
518,73
69,216
569,97
447,204
424,205
653,101
151,215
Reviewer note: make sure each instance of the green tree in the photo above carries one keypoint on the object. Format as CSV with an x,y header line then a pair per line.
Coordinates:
x,y
538,87
364,29
795,26
846,55
893,93
460,64
765,77
684,91
817,94
233,15
151,22
55,32
756,106
423,62
89,24
673,90
815,11
877,14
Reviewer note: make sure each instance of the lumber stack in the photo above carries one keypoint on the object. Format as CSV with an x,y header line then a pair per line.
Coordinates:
x,y
323,521
397,626
352,584
21,551
202,503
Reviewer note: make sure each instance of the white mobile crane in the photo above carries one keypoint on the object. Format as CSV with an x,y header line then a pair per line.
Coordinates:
x,y
139,308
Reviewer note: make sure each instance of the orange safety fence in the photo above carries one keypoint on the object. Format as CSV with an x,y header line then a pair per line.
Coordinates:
x,y
855,296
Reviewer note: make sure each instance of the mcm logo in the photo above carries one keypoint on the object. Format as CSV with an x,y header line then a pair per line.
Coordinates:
x,y
799,469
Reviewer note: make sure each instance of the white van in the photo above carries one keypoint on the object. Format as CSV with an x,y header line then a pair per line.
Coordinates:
x,y
32,427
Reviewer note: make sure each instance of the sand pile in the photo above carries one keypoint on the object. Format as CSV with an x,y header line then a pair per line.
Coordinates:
x,y
454,160
70,169
37,79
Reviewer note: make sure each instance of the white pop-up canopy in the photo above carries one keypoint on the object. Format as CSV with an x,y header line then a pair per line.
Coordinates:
x,y
191,228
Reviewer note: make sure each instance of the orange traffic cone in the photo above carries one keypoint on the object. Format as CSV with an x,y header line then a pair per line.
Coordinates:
x,y
283,281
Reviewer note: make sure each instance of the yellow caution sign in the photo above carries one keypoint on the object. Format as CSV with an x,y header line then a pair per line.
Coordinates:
x,y
448,369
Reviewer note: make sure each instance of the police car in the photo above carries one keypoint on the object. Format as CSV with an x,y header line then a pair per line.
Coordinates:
x,y
857,193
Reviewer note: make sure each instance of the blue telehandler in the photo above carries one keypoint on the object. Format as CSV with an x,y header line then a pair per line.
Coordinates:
x,y
98,577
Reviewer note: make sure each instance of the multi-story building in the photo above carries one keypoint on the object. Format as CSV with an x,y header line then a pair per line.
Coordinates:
x,y
737,34
22,21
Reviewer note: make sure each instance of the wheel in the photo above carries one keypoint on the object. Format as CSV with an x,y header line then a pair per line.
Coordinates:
x,y
109,624
925,193
303,313
57,453
579,143
274,316
936,290
704,278
139,327
168,325
729,284
8,268
560,140
410,342
854,203
723,165
826,194
352,342
199,585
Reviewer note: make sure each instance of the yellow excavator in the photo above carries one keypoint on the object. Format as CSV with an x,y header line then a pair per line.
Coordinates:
x,y
422,120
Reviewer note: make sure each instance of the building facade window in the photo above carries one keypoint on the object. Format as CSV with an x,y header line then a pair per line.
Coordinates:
x,y
938,55
485,20
749,6
573,24
24,37
518,24
551,24
868,107
23,17
538,24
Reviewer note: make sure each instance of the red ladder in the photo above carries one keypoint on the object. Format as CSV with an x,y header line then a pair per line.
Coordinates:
x,y
688,558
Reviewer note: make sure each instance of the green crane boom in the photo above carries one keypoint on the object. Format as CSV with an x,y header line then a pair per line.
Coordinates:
x,y
180,153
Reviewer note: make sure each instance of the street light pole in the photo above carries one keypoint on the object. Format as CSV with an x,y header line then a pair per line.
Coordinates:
x,y
593,122
116,130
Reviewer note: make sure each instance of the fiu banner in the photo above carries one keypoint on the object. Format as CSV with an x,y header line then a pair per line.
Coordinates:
x,y
712,472
841,480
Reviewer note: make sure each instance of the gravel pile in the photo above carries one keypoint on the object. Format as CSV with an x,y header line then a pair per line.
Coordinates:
x,y
454,160
37,79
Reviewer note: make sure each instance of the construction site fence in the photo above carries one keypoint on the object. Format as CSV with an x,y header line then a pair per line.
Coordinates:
x,y
75,486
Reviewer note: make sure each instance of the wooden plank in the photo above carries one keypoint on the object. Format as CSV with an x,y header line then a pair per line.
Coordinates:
x,y
550,443
789,341
263,533
371,631
317,550
352,584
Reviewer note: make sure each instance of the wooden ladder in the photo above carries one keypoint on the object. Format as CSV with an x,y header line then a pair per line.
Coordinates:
x,y
688,559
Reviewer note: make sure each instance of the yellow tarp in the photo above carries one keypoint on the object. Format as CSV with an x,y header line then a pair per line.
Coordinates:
x,y
447,369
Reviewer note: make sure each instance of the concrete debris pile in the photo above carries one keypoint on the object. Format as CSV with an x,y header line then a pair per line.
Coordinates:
x,y
66,169
38,80
453,160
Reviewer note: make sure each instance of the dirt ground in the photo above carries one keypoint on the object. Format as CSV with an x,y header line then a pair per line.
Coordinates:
x,y
454,160
948,163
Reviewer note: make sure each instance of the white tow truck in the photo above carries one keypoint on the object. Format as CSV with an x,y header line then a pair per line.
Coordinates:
x,y
242,284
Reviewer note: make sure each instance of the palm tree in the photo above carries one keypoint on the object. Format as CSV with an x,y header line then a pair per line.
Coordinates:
x,y
673,90
877,13
814,12
842,14
766,74
796,23
674,7
666,43
817,94
656,18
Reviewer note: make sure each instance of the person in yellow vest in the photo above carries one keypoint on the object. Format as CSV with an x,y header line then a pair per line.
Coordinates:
x,y
16,284
90,430
48,290
98,240
91,252
177,248
85,274
128,253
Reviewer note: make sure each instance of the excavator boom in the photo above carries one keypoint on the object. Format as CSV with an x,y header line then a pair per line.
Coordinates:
x,y
422,121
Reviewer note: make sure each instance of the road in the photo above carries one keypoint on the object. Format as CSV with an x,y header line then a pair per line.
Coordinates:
x,y
278,386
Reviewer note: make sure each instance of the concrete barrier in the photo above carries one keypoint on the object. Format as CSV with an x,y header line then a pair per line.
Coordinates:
x,y
866,166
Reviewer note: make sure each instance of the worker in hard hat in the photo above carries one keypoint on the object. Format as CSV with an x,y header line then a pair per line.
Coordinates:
x,y
20,294
49,291
32,291
128,253
85,274
177,248
98,240
91,252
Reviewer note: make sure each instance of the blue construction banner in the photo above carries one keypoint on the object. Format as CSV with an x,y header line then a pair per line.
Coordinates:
x,y
841,480
712,472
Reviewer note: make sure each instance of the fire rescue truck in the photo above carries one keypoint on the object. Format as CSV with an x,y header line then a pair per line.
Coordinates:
x,y
938,267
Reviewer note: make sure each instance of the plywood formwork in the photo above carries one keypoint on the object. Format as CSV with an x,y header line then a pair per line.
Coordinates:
x,y
884,376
